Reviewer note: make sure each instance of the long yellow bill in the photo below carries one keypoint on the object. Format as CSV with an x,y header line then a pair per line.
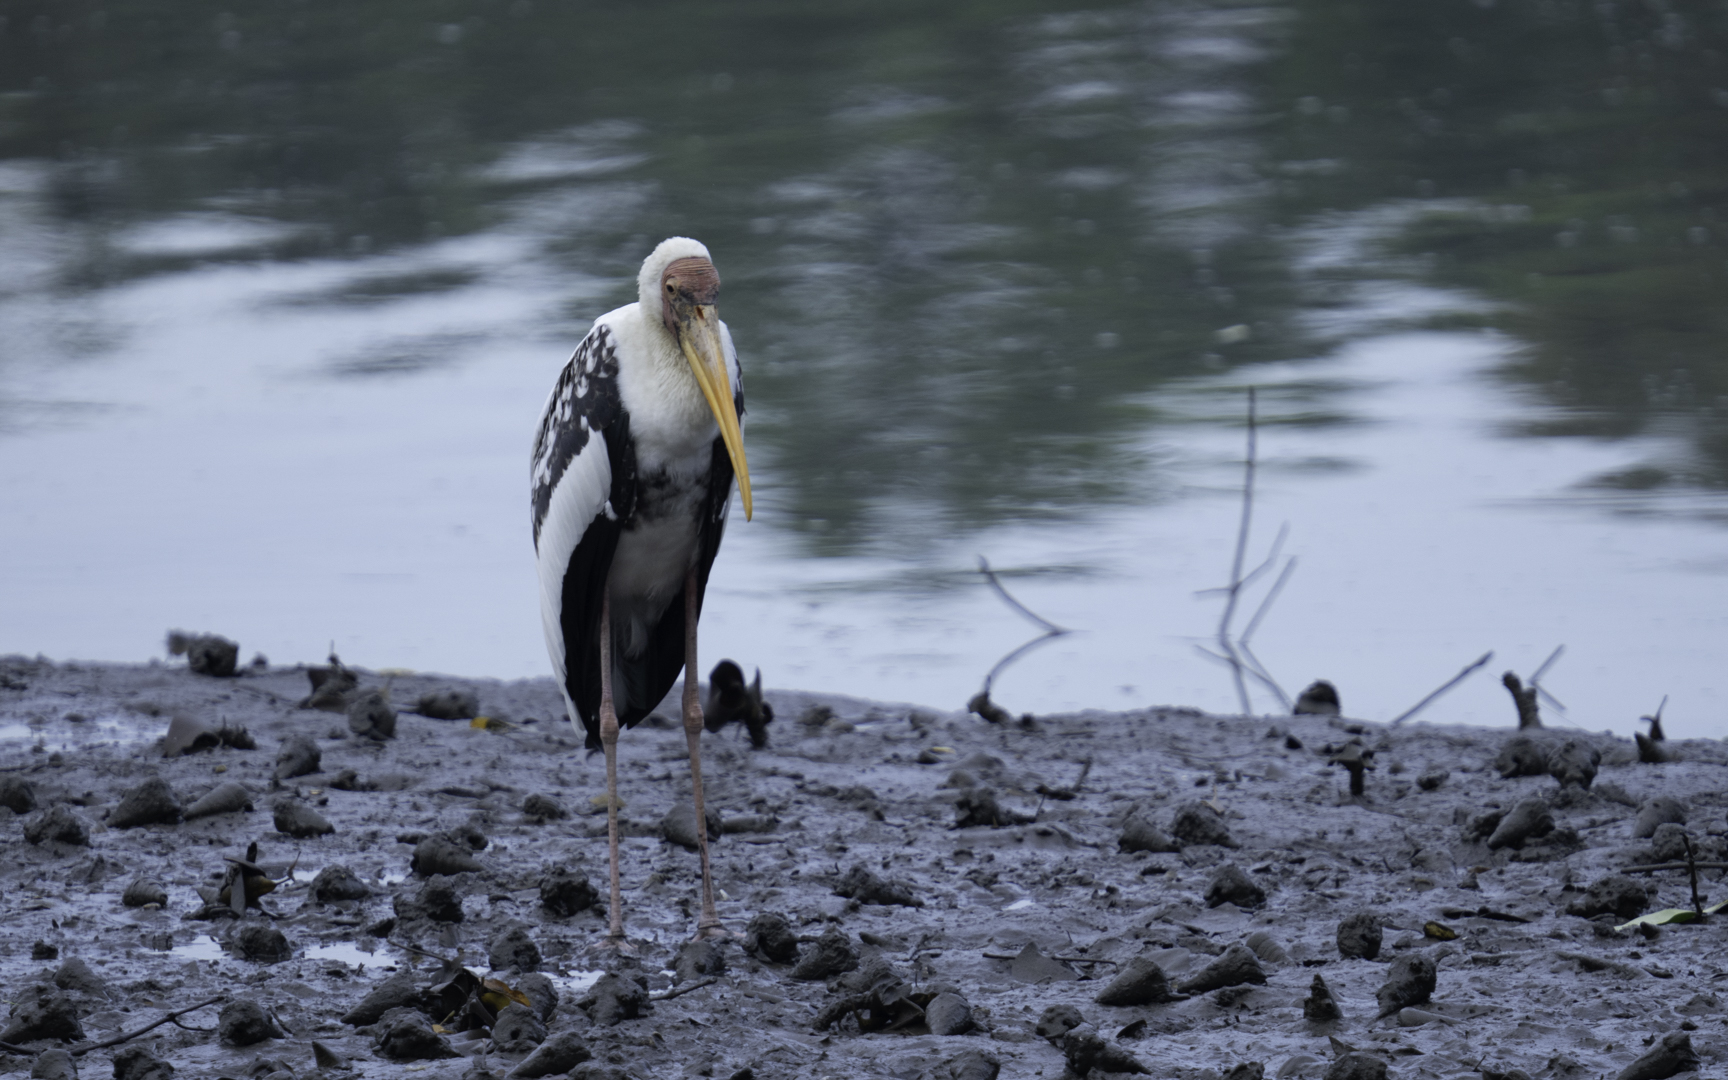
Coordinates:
x,y
699,337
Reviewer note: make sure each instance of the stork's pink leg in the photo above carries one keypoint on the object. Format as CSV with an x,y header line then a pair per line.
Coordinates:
x,y
609,742
709,924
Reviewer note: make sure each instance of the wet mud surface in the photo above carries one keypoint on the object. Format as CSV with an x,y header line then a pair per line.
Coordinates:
x,y
1212,878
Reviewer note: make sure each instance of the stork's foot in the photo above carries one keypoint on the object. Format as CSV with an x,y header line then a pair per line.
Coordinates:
x,y
714,931
618,945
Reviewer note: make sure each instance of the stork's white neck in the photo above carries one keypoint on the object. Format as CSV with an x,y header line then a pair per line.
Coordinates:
x,y
669,418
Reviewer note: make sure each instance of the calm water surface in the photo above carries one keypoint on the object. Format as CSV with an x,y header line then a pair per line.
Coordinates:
x,y
283,290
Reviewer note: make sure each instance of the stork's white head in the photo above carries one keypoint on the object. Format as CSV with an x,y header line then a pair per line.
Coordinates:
x,y
679,293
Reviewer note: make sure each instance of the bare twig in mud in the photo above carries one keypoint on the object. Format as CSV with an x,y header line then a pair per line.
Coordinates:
x,y
1651,868
1236,653
981,703
79,1051
1525,698
1650,748
1447,685
680,991
1692,873
1536,679
1068,793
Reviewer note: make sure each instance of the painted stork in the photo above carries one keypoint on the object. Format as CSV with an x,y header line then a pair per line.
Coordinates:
x,y
633,468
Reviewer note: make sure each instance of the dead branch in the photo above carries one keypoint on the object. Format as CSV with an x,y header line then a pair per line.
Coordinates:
x,y
981,703
1525,698
1447,685
679,991
130,1035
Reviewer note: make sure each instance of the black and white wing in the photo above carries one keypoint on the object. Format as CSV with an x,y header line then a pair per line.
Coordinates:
x,y
583,490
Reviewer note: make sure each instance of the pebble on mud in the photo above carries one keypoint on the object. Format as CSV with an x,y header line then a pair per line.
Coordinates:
x,y
697,959
1359,935
617,996
206,654
542,808
564,892
772,938
518,1030
294,818
450,703
1319,698
1198,823
1140,834
560,1053
1529,819
1615,895
370,715
538,989
42,1012
1085,1050
1672,1054
1431,779
1670,841
264,944
966,1065
442,855
865,887
1230,885
1521,755
244,1022
150,803
397,991
224,798
1320,1006
948,1013
1573,762
679,824
17,794
1409,981
335,883
405,1035
1658,811
1238,966
143,892
59,824
512,947
978,806
437,900
1140,982
829,955
138,1063
1354,1066
299,756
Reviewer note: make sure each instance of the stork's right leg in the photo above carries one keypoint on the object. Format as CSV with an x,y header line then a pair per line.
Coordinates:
x,y
609,742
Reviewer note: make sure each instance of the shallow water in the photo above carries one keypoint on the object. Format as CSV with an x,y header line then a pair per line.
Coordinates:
x,y
270,349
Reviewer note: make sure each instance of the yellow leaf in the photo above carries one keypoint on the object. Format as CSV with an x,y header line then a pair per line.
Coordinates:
x,y
501,992
1662,918
1438,931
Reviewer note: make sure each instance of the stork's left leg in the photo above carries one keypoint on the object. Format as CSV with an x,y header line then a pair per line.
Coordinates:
x,y
709,924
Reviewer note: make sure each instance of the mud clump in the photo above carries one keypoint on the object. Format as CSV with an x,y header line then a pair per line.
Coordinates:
x,y
57,824
1573,763
206,654
1320,1006
1140,834
1238,966
1198,823
617,996
1359,936
150,803
1057,1021
54,1065
679,825
1658,811
1670,842
560,1053
264,944
1085,1050
1141,982
1530,819
244,1023
441,855
144,892
517,1030
699,959
829,955
512,947
436,901
1354,1066
966,1065
299,756
294,818
978,806
1521,755
1432,779
398,991
42,1012
865,887
564,892
949,1013
405,1035
772,938
449,703
1672,1055
17,794
1410,981
225,798
337,883
1231,886
138,1063
370,715
1615,895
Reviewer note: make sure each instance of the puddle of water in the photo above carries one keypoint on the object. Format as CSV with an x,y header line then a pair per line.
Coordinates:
x,y
1021,905
63,734
348,953
204,948
577,982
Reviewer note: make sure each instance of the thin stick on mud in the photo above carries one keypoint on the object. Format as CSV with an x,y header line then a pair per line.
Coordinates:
x,y
1051,632
1536,679
1449,684
79,1051
680,991
1235,588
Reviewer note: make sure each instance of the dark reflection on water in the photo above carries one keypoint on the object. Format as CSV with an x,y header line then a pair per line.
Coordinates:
x,y
963,245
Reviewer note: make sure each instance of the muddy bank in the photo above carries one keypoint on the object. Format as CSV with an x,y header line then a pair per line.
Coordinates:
x,y
949,905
